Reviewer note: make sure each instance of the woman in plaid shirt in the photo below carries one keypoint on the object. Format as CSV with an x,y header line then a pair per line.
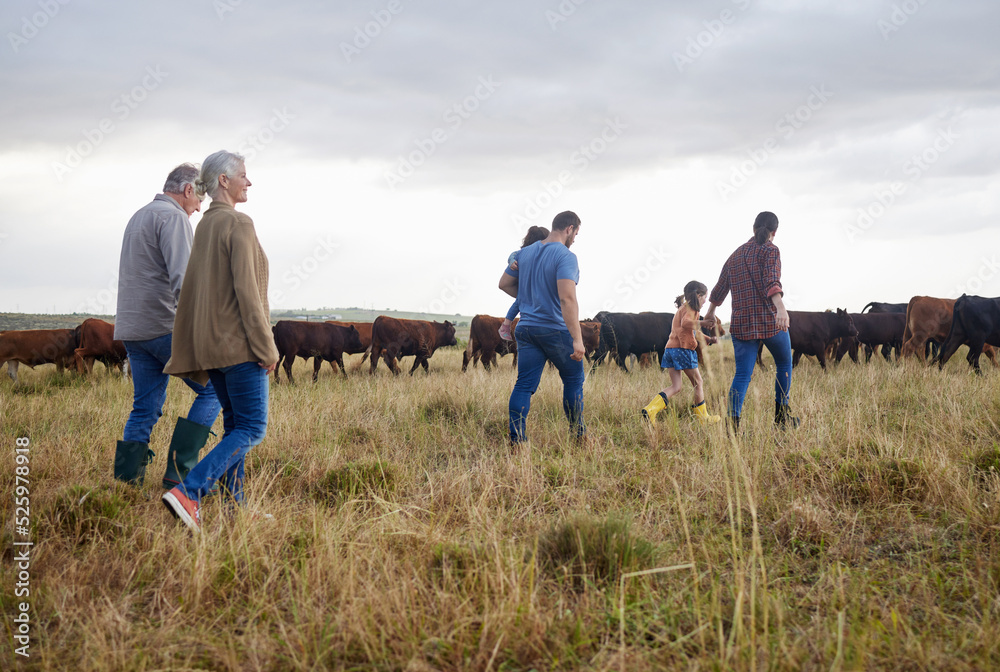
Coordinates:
x,y
753,274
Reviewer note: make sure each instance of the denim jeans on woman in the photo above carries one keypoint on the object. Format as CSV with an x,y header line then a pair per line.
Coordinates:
x,y
535,347
780,347
146,359
243,391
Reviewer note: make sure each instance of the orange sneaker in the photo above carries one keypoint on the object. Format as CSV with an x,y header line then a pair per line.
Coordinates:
x,y
182,507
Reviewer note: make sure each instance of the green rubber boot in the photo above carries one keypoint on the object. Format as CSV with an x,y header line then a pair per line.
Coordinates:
x,y
187,441
131,458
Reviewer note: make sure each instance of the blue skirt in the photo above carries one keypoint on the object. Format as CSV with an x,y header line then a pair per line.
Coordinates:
x,y
679,358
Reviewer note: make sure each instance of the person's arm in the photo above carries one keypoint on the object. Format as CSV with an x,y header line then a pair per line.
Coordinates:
x,y
782,316
571,315
719,293
508,283
174,238
772,281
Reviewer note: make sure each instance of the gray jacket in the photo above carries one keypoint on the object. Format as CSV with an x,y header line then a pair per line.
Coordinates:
x,y
155,254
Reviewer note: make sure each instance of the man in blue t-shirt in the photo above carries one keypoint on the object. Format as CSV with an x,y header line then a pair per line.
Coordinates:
x,y
544,283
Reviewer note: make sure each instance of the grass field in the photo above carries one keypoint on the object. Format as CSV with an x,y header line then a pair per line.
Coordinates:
x,y
409,536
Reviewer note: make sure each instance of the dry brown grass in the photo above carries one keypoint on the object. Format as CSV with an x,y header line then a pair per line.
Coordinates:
x,y
409,536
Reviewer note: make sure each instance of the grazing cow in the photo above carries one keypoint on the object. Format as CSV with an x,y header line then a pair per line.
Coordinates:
x,y
874,330
97,341
975,322
32,347
364,332
485,342
318,340
591,332
393,338
811,333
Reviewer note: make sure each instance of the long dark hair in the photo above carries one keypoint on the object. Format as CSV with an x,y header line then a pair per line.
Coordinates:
x,y
763,226
691,292
535,233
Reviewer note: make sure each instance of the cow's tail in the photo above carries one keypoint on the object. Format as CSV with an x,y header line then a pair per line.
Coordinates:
x,y
468,349
867,306
907,331
956,330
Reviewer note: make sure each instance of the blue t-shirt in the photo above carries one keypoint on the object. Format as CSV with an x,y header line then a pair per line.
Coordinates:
x,y
539,266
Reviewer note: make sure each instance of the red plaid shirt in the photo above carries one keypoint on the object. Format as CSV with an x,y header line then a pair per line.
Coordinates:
x,y
753,273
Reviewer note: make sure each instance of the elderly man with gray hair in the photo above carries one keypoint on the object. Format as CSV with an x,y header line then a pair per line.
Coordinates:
x,y
154,258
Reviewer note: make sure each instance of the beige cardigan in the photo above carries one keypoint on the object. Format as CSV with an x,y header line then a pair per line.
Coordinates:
x,y
222,317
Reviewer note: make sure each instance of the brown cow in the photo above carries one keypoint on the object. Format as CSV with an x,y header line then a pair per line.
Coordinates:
x,y
591,331
393,338
364,332
319,340
929,318
97,341
38,346
485,342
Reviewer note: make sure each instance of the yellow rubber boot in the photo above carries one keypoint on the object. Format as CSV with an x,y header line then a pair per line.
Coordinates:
x,y
658,403
701,412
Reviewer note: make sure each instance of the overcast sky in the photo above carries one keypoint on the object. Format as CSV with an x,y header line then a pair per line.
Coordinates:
x,y
399,149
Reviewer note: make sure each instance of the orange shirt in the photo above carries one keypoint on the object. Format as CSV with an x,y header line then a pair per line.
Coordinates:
x,y
682,329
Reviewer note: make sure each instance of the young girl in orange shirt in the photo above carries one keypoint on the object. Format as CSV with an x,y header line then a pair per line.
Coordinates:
x,y
680,356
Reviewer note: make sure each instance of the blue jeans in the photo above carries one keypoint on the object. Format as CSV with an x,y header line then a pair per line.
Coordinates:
x,y
243,391
780,347
535,346
149,383
515,308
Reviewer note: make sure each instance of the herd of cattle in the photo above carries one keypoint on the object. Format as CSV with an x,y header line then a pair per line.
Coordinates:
x,y
78,348
909,329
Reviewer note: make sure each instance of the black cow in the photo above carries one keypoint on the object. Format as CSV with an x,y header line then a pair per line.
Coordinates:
x,y
879,307
811,332
975,322
627,334
874,330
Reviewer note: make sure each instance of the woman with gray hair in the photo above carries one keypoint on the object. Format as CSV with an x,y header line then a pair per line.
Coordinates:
x,y
222,333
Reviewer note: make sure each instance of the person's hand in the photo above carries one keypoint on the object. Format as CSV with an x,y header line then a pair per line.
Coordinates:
x,y
513,265
782,319
711,340
578,350
268,368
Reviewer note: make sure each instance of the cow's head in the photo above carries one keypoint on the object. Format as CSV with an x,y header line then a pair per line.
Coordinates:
x,y
353,340
449,334
847,323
